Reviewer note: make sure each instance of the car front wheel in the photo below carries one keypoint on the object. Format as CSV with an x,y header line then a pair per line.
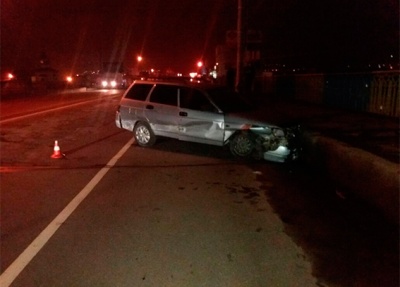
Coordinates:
x,y
144,135
241,145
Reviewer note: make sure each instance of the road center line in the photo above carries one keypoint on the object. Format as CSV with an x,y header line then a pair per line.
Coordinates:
x,y
35,113
9,275
45,111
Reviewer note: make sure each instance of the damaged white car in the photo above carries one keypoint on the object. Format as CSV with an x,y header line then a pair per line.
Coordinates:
x,y
204,114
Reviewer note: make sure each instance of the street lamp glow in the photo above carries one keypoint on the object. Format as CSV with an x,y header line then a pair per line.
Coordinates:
x,y
139,58
199,64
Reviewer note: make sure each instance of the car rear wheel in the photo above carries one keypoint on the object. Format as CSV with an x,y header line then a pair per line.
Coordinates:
x,y
242,145
144,135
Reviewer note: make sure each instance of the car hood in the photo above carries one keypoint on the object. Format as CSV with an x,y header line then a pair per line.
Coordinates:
x,y
240,119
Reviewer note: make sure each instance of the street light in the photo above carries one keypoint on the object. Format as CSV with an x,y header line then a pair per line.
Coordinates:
x,y
139,60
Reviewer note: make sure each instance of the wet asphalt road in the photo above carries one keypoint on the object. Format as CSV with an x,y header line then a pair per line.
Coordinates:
x,y
347,242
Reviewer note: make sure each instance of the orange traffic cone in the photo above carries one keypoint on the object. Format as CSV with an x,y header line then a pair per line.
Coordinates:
x,y
57,152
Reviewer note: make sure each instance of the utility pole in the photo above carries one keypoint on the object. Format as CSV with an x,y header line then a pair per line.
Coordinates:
x,y
239,46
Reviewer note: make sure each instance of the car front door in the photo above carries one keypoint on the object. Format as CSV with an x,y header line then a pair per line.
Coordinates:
x,y
162,111
199,120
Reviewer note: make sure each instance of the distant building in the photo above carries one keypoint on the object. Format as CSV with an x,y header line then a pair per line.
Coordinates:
x,y
226,53
44,74
41,75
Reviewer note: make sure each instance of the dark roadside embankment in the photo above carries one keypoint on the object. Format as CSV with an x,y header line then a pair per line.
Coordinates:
x,y
358,151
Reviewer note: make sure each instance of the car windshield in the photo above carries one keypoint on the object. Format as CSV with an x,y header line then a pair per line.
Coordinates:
x,y
228,101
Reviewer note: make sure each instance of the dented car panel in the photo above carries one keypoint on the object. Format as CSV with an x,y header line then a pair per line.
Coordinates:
x,y
210,115
201,127
270,141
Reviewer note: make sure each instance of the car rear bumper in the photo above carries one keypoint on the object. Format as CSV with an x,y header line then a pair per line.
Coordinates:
x,y
118,122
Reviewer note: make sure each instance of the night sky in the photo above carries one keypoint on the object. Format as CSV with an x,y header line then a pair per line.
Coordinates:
x,y
80,34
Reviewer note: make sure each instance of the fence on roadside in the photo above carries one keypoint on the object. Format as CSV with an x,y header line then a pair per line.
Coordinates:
x,y
384,96
375,92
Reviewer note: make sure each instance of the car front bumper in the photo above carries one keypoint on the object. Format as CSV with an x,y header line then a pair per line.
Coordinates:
x,y
281,154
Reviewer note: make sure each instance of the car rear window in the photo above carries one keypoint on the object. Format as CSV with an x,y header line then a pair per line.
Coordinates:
x,y
139,92
165,94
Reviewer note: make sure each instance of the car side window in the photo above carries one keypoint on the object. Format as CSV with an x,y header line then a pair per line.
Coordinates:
x,y
165,94
195,100
139,92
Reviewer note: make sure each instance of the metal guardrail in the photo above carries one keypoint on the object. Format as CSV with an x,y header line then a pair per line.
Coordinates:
x,y
375,92
384,94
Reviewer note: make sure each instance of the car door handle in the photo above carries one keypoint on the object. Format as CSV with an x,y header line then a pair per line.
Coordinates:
x,y
183,114
149,107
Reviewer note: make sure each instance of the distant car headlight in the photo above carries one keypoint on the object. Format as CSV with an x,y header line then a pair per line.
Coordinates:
x,y
113,84
104,83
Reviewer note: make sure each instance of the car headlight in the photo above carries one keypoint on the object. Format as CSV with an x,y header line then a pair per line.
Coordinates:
x,y
113,84
278,132
104,83
264,130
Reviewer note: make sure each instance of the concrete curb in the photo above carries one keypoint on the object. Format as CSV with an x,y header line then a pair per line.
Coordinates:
x,y
366,175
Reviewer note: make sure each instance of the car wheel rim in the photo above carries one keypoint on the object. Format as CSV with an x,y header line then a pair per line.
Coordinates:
x,y
142,135
243,146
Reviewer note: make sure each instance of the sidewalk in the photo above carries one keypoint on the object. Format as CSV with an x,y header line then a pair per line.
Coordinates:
x,y
358,151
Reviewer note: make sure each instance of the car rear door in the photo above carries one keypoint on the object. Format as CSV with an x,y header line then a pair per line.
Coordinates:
x,y
131,108
199,119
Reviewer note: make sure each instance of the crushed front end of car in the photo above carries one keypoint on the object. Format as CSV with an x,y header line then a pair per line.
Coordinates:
x,y
274,143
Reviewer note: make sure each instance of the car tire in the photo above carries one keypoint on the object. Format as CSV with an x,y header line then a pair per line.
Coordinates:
x,y
143,134
242,145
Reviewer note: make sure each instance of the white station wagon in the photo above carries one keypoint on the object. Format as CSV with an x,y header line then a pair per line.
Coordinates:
x,y
204,114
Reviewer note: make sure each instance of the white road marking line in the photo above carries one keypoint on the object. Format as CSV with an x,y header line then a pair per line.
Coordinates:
x,y
48,111
45,111
9,275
